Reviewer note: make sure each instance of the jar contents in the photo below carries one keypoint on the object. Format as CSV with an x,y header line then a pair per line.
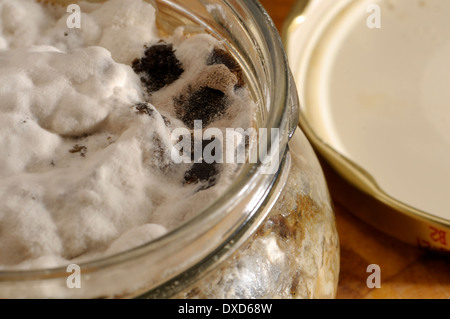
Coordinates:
x,y
87,120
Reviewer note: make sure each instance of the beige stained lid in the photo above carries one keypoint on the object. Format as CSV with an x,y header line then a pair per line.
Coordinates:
x,y
374,85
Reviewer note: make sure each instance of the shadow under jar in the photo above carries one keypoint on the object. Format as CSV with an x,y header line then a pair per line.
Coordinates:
x,y
268,236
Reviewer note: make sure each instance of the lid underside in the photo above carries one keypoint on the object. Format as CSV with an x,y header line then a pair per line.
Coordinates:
x,y
377,89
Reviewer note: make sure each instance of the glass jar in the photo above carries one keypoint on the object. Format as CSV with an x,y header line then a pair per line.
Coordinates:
x,y
268,236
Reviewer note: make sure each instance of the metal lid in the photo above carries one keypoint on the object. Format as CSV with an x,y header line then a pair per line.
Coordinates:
x,y
374,85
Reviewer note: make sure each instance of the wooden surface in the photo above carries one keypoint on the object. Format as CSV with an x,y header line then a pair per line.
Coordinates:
x,y
406,271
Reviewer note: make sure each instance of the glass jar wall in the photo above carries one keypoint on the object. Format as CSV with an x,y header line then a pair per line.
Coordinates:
x,y
268,236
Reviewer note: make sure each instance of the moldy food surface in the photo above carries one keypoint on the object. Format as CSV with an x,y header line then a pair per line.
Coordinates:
x,y
86,119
